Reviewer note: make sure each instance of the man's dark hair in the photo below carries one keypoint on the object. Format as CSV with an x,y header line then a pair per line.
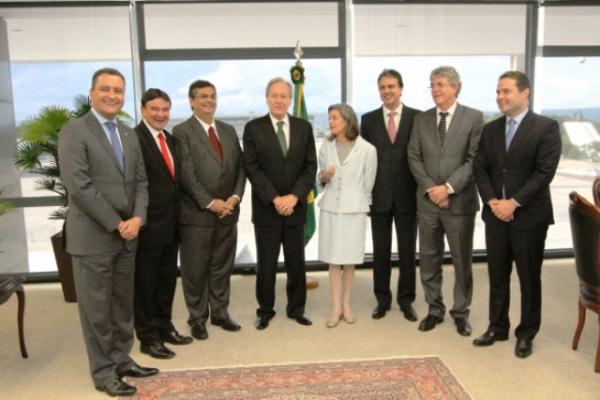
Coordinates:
x,y
199,84
154,93
107,71
391,73
521,80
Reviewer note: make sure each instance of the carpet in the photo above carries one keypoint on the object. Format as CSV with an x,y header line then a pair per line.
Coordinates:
x,y
382,379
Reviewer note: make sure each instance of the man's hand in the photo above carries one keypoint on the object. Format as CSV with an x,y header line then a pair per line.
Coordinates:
x,y
285,204
130,229
438,194
503,209
444,203
221,208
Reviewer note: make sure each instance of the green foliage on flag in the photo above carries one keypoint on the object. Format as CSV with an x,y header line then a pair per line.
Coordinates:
x,y
297,73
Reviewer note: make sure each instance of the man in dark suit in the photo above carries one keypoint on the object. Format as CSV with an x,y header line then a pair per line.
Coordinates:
x,y
388,128
103,170
212,186
156,257
441,154
281,163
518,156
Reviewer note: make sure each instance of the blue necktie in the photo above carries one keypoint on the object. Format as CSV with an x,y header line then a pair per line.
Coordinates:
x,y
510,133
115,143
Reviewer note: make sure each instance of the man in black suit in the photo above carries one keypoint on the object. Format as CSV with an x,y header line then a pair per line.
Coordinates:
x,y
388,128
518,156
281,163
212,183
156,257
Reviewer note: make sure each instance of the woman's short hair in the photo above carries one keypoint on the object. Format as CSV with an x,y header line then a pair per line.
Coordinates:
x,y
349,116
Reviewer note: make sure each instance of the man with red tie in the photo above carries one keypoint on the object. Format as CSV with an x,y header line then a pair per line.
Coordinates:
x,y
156,257
212,180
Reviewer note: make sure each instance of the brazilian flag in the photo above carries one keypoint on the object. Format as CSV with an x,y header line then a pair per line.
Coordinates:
x,y
297,72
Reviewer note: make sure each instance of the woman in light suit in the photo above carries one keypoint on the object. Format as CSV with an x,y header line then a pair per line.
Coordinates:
x,y
347,165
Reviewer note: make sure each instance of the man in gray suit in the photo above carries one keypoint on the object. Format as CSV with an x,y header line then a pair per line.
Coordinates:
x,y
103,170
212,182
441,154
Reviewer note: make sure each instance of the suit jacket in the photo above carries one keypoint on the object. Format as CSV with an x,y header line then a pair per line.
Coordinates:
x,y
163,192
203,178
349,190
395,187
272,174
433,164
100,195
526,170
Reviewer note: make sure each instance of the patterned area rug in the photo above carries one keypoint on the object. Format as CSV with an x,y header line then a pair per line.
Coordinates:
x,y
396,378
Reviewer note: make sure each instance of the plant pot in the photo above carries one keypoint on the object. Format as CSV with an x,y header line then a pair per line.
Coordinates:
x,y
65,268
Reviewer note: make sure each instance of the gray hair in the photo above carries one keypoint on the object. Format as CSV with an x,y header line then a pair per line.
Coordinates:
x,y
349,116
449,73
277,80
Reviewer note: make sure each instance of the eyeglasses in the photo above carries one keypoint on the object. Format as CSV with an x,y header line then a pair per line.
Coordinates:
x,y
206,96
437,86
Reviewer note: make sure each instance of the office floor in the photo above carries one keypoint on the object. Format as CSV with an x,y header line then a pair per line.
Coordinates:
x,y
57,367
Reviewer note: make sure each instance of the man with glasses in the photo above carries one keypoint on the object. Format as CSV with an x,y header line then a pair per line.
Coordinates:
x,y
441,154
212,186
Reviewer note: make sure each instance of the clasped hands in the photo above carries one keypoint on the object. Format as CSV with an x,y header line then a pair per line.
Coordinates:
x,y
130,228
439,195
284,205
224,208
503,209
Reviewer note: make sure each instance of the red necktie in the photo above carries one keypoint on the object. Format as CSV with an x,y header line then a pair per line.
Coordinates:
x,y
214,140
165,153
392,127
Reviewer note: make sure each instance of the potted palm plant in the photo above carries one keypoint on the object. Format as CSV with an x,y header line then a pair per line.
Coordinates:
x,y
37,153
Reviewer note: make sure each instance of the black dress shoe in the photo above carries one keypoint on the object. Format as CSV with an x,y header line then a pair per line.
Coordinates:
x,y
379,311
462,326
488,338
157,350
524,348
429,322
199,332
228,324
173,337
301,319
117,388
408,311
261,323
138,372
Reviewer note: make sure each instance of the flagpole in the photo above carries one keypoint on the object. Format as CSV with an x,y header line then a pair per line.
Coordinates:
x,y
297,75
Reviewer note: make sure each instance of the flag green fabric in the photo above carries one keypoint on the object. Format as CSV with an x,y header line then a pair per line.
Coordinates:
x,y
297,73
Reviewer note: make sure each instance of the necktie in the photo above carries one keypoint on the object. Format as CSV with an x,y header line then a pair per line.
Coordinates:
x,y
442,127
392,127
165,154
214,140
115,143
281,137
510,133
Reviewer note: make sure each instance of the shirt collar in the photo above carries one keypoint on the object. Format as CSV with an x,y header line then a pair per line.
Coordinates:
x,y
450,110
286,120
519,117
101,118
387,111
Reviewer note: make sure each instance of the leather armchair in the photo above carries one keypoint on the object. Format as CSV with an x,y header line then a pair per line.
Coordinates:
x,y
585,230
8,286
